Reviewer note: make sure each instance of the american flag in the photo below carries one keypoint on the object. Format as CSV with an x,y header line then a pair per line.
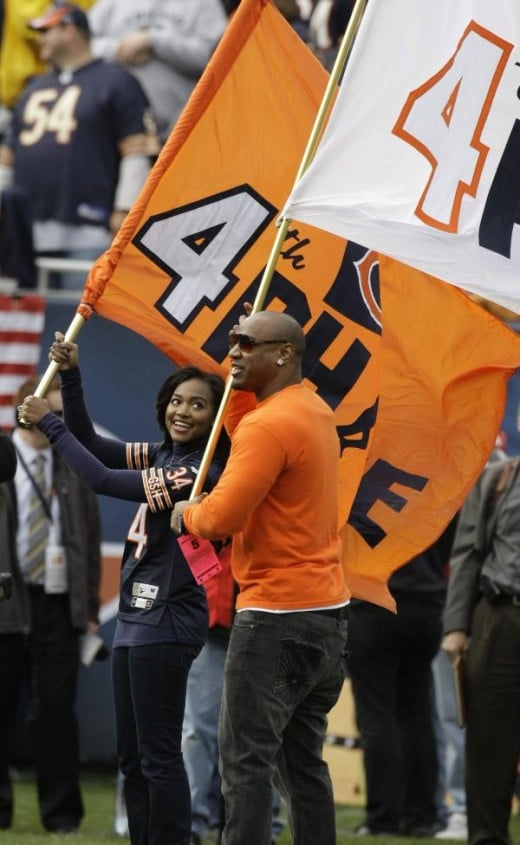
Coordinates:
x,y
21,325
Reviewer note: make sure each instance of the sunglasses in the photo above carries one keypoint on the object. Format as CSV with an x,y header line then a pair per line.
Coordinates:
x,y
246,343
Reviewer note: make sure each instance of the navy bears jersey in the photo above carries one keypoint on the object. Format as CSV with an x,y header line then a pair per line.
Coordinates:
x,y
155,576
65,136
154,570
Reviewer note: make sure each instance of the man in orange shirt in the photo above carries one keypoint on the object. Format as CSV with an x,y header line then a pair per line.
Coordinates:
x,y
277,497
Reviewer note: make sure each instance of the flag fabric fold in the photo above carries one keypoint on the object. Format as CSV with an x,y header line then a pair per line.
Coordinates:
x,y
419,160
398,372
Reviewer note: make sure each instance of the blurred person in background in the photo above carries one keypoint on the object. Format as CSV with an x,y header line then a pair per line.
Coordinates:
x,y
296,12
79,144
19,51
165,45
50,528
482,632
390,662
327,24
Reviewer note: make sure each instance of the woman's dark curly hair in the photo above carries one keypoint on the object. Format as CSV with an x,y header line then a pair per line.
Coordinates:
x,y
215,383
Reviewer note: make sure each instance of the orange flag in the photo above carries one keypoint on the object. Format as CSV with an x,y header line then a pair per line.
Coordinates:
x,y
445,363
194,248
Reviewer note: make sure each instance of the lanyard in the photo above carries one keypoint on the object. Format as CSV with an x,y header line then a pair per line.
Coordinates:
x,y
39,492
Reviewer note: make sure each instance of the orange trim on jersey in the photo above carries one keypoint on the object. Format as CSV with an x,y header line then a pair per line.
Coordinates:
x,y
156,490
137,455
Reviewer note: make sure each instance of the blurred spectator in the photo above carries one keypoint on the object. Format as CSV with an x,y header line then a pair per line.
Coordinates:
x,y
305,7
230,6
454,736
50,529
166,46
482,628
327,25
19,53
79,143
339,17
452,797
297,12
390,657
19,62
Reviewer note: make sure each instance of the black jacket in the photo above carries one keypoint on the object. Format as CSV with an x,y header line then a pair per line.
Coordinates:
x,y
81,538
7,457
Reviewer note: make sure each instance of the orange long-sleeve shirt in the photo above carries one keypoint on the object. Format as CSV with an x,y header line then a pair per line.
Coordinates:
x,y
278,498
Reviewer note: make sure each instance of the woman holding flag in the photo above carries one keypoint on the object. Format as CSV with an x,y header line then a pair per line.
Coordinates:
x,y
162,621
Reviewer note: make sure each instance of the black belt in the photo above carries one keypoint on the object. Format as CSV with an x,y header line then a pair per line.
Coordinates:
x,y
335,612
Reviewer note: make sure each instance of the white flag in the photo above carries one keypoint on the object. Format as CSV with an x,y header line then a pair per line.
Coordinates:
x,y
421,157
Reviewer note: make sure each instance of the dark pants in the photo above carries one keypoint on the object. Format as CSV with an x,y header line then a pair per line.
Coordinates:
x,y
390,659
283,674
493,720
149,695
48,662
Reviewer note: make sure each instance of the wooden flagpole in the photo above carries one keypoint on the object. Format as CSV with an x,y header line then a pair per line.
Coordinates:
x,y
80,318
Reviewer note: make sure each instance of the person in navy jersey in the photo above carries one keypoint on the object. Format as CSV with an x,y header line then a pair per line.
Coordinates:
x,y
80,143
163,619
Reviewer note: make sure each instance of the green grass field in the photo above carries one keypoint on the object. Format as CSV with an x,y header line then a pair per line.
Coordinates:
x,y
97,827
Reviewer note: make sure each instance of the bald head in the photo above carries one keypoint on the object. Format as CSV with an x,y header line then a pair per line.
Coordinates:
x,y
278,324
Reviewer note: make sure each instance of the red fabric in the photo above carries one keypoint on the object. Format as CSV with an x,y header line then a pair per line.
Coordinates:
x,y
220,592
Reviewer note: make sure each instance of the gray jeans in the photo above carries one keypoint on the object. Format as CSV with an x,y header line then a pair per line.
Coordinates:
x,y
283,674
